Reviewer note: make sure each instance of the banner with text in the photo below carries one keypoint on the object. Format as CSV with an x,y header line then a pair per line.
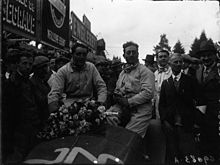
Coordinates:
x,y
55,23
83,34
19,17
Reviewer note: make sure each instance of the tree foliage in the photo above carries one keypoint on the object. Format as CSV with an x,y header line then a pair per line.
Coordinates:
x,y
178,48
196,44
163,44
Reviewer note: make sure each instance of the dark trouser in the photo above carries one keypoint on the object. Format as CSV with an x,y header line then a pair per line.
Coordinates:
x,y
179,142
25,139
155,142
210,140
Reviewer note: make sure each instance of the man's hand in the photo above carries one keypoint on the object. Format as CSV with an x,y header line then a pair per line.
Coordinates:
x,y
113,120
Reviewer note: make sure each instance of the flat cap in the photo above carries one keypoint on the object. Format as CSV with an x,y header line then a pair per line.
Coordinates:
x,y
40,61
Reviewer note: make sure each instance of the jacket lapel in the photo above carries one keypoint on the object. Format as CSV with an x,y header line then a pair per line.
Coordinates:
x,y
212,74
182,83
171,83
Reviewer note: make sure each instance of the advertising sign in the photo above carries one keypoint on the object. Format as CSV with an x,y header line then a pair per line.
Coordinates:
x,y
82,33
86,22
55,23
19,17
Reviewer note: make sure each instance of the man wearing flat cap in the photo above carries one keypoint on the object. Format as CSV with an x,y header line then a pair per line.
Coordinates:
x,y
209,79
41,74
149,62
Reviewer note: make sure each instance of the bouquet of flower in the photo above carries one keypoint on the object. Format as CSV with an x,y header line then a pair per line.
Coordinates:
x,y
79,117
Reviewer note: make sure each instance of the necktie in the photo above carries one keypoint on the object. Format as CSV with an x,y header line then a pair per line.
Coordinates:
x,y
176,83
205,74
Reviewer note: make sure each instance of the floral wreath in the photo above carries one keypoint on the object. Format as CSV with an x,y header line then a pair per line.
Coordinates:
x,y
79,117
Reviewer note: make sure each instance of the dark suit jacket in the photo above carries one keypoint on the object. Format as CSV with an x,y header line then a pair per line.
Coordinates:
x,y
211,90
20,102
182,100
40,91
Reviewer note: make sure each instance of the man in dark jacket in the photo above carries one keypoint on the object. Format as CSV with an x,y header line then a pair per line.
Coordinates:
x,y
177,110
20,108
209,80
41,87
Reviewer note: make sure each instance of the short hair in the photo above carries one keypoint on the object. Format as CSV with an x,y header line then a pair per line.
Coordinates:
x,y
76,45
163,50
129,43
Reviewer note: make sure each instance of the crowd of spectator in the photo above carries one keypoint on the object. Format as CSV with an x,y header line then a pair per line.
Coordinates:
x,y
180,92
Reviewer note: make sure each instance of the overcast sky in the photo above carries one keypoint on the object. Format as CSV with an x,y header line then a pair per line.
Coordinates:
x,y
142,21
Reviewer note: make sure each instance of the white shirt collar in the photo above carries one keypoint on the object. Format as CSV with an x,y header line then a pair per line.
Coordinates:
x,y
177,76
185,71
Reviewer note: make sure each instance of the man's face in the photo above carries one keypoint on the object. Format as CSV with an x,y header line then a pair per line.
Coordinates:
x,y
79,56
131,54
176,63
25,65
163,59
147,63
208,58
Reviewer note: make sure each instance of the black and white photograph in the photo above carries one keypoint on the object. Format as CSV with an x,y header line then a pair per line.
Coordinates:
x,y
110,82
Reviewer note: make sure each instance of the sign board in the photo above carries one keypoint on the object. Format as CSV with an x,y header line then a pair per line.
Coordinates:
x,y
101,44
55,23
81,33
86,22
19,17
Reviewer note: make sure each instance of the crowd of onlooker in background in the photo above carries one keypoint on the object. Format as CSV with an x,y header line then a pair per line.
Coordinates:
x,y
195,101
26,81
181,92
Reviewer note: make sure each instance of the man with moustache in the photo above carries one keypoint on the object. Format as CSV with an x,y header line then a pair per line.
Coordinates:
x,y
77,79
